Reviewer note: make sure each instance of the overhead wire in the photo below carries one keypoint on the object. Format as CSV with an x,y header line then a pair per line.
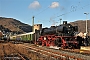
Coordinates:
x,y
44,9
73,9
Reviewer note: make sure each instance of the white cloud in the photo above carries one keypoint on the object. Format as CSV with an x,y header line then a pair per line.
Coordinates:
x,y
35,5
54,5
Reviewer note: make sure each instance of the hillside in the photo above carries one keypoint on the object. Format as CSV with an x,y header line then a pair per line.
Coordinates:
x,y
14,25
82,25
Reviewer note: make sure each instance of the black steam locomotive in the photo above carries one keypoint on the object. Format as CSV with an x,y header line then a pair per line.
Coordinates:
x,y
62,36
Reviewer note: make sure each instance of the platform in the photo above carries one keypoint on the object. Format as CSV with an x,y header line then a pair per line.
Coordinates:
x,y
85,48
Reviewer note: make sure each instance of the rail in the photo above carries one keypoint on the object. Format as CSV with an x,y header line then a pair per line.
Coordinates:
x,y
53,54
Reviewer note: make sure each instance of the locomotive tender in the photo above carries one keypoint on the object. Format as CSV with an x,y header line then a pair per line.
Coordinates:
x,y
61,36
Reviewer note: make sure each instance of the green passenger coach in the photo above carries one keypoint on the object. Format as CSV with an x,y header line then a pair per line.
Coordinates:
x,y
27,37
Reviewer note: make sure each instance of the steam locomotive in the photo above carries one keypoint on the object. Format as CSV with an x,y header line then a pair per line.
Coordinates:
x,y
61,36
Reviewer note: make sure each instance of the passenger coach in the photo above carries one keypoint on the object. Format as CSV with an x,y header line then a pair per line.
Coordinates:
x,y
27,37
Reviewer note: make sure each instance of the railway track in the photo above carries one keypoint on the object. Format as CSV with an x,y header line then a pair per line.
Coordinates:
x,y
22,51
58,54
78,51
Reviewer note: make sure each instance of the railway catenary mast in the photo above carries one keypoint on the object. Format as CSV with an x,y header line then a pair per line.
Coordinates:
x,y
33,24
86,22
60,21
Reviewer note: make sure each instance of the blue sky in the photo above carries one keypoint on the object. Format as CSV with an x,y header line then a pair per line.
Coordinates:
x,y
46,12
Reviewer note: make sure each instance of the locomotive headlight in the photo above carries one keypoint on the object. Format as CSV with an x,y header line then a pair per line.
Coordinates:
x,y
69,26
68,31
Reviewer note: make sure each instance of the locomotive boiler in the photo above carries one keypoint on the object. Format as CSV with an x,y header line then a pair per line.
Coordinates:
x,y
62,36
61,30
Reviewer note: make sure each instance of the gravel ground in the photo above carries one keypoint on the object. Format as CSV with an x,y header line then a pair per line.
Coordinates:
x,y
85,57
6,50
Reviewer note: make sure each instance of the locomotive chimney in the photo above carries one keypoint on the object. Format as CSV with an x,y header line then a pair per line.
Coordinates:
x,y
64,22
